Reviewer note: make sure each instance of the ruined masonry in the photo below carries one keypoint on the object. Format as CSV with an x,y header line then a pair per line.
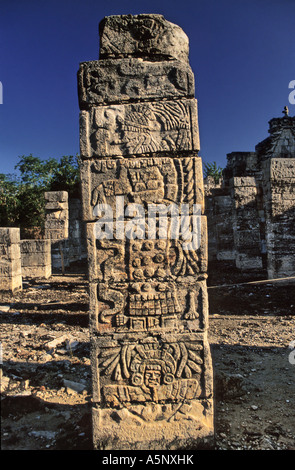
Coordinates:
x,y
139,139
251,213
57,226
36,258
10,259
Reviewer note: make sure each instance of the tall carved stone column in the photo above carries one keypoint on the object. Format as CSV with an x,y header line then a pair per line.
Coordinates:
x,y
139,140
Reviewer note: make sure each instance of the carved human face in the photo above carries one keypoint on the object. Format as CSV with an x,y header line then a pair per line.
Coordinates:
x,y
152,376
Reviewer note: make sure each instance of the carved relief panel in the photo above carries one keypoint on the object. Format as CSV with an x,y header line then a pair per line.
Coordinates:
x,y
154,180
139,128
155,369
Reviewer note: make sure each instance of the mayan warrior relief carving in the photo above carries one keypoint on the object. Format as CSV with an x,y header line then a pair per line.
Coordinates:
x,y
141,128
142,194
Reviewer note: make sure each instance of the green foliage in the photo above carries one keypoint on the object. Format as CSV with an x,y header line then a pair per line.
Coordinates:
x,y
211,169
22,198
9,200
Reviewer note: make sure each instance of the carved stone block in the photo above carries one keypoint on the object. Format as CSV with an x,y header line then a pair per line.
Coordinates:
x,y
10,267
10,251
55,234
144,180
154,305
9,235
36,258
139,128
142,36
157,385
37,271
118,81
142,259
54,223
56,196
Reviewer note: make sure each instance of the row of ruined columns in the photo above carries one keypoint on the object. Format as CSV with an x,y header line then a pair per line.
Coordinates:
x,y
63,243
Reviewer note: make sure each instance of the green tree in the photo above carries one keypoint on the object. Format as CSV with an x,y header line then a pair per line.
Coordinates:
x,y
22,201
9,200
66,176
211,169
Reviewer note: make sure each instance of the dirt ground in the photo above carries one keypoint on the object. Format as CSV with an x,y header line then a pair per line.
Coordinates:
x,y
46,376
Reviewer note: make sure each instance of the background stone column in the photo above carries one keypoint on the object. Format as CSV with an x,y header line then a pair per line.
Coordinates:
x,y
277,154
57,227
10,259
279,177
139,141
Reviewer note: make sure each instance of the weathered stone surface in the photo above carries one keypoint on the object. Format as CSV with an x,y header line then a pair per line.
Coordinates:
x,y
56,206
281,142
11,283
164,382
162,180
142,36
10,259
279,183
153,305
122,258
36,257
57,223
10,267
139,128
34,246
149,427
56,196
77,237
118,81
55,234
281,169
10,251
37,271
10,235
57,226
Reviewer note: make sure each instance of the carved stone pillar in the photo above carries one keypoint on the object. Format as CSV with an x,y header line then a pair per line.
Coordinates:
x,y
141,175
10,259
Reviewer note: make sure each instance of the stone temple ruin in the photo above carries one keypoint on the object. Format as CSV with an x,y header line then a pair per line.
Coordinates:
x,y
251,213
139,140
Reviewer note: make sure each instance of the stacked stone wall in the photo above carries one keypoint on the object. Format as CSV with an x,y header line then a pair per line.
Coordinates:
x,y
36,258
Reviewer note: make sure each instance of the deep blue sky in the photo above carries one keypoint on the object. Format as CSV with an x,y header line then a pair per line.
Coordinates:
x,y
241,51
